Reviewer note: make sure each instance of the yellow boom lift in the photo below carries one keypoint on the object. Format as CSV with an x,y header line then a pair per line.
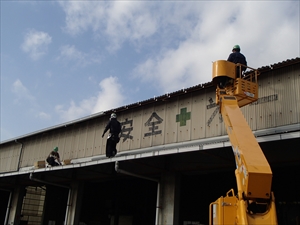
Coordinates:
x,y
254,202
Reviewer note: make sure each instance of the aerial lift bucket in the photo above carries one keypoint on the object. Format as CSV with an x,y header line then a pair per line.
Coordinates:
x,y
228,78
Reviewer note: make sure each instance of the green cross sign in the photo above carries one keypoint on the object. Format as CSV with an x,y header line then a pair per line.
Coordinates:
x,y
183,116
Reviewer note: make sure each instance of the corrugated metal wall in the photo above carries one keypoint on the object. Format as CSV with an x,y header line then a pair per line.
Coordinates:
x,y
186,117
9,157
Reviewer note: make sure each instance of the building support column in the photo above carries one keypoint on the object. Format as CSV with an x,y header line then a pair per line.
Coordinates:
x,y
14,216
75,202
170,191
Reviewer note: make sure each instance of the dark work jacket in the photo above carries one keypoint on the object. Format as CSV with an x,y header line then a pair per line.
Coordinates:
x,y
113,126
237,57
54,154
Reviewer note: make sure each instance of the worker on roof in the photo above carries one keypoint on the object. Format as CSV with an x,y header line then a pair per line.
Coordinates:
x,y
237,57
53,159
113,138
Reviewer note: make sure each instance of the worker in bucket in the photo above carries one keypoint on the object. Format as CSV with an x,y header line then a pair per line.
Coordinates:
x,y
114,127
237,57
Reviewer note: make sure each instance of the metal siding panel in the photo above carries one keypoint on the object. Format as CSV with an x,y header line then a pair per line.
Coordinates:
x,y
15,162
67,154
104,139
214,123
171,127
34,149
75,147
147,129
5,160
265,110
57,140
295,80
198,109
286,105
80,141
158,139
9,157
54,142
183,112
48,146
40,147
61,142
83,140
13,165
26,154
99,141
43,152
127,126
297,92
90,138
136,133
249,112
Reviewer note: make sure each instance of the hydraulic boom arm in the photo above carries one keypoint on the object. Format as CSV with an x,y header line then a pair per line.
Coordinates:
x,y
254,203
254,176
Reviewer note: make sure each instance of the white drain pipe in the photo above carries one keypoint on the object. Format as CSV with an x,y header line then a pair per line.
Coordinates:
x,y
147,178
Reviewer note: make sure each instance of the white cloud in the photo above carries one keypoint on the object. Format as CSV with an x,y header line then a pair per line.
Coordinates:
x,y
21,92
129,20
70,53
117,21
24,97
212,38
36,43
187,37
109,97
174,69
44,116
82,15
74,111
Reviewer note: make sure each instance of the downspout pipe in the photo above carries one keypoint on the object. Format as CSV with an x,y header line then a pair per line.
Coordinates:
x,y
118,170
20,155
68,206
58,185
8,205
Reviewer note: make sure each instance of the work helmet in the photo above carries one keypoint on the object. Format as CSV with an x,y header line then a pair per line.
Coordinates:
x,y
113,115
55,149
236,47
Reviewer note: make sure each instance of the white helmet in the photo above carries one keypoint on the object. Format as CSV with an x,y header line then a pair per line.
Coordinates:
x,y
113,115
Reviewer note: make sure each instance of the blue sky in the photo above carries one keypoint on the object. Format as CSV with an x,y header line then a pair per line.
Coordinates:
x,y
64,60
